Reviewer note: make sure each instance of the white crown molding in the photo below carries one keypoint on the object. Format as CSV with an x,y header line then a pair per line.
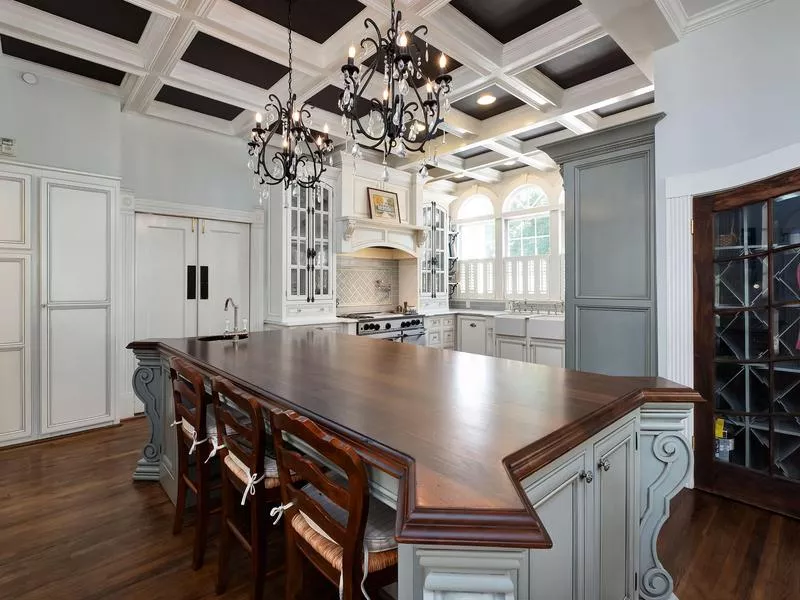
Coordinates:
x,y
682,24
178,209
177,114
71,174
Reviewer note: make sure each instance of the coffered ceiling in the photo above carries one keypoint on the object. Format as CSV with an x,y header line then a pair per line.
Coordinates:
x,y
556,68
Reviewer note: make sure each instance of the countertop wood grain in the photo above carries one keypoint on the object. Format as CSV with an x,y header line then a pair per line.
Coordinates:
x,y
459,430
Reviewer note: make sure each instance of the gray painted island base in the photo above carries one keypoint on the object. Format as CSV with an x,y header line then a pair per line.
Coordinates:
x,y
648,458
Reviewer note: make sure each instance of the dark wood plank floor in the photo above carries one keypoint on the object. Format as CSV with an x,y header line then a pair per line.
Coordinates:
x,y
74,526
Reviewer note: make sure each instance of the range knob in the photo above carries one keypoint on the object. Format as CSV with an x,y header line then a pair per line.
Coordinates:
x,y
388,326
415,321
404,324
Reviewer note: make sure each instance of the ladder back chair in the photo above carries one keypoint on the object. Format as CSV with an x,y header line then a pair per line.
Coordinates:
x,y
332,521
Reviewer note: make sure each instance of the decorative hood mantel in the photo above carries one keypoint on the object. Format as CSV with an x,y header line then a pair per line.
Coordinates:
x,y
359,233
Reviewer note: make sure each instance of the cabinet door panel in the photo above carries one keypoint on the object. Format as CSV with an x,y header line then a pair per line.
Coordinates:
x,y
616,514
15,211
223,247
472,336
165,247
560,499
511,348
551,355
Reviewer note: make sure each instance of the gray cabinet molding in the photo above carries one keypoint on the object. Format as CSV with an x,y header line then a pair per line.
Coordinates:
x,y
147,385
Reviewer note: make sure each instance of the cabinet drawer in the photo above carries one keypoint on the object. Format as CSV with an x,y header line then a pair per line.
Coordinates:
x,y
309,310
448,337
434,323
434,338
448,322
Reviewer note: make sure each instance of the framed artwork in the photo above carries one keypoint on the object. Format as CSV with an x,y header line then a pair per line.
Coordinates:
x,y
383,205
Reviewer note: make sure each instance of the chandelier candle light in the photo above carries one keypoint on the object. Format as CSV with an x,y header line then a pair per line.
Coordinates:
x,y
402,120
299,162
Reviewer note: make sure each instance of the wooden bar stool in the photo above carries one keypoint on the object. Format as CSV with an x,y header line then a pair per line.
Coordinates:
x,y
195,426
247,468
332,521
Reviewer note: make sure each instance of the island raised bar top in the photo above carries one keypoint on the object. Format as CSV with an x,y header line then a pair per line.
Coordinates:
x,y
460,431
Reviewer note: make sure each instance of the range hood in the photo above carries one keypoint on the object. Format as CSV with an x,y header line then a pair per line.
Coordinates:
x,y
356,233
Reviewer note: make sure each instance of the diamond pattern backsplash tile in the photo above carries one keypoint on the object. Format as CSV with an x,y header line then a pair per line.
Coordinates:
x,y
367,283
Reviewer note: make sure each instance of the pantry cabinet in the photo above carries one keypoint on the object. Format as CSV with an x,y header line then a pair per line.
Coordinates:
x,y
588,501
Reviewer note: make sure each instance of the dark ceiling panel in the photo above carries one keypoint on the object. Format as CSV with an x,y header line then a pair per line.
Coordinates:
x,y
504,103
197,103
509,19
328,99
505,168
540,131
437,172
59,60
315,19
588,62
114,17
430,68
224,58
635,102
471,152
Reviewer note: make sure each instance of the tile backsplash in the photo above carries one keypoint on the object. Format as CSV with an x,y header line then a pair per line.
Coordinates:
x,y
366,284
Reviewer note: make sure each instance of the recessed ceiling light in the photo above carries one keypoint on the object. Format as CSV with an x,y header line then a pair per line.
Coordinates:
x,y
30,78
486,99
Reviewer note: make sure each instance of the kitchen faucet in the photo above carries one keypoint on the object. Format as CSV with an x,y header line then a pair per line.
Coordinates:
x,y
236,331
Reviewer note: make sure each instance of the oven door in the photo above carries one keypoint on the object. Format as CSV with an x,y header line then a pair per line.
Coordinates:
x,y
418,337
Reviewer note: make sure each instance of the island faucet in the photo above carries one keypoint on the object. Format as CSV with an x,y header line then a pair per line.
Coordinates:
x,y
229,301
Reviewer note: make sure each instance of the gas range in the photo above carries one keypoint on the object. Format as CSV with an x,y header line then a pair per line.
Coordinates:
x,y
393,326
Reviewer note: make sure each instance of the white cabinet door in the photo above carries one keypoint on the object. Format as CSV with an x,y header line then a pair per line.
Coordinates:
x,y
15,211
167,282
76,326
547,353
15,346
472,335
615,514
509,347
224,267
561,498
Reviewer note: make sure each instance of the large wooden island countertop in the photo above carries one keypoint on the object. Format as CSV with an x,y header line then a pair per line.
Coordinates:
x,y
459,430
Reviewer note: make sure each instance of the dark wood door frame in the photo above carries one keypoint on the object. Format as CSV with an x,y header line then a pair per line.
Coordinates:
x,y
732,481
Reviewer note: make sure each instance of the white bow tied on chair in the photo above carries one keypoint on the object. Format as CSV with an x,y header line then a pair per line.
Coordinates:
x,y
215,447
278,511
252,482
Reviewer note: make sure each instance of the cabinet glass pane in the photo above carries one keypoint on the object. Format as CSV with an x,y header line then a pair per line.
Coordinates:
x,y
293,285
786,281
786,390
293,227
746,442
740,231
786,217
301,227
742,335
786,447
293,255
741,283
742,387
786,331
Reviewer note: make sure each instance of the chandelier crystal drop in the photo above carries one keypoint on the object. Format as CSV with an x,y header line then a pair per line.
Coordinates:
x,y
298,156
412,106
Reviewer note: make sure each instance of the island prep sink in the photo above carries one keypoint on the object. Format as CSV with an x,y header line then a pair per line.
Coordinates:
x,y
220,338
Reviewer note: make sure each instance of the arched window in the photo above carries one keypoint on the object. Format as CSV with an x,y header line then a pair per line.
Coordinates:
x,y
476,206
525,198
527,222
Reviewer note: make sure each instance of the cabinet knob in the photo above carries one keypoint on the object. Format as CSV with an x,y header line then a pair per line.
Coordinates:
x,y
604,464
587,476
473,325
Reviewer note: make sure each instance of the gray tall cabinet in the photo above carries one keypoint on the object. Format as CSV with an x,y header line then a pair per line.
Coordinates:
x,y
609,180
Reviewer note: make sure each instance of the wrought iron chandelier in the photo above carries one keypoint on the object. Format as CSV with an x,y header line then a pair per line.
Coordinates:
x,y
402,120
300,160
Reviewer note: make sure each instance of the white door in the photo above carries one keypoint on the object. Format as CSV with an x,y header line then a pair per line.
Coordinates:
x,y
615,514
513,348
167,282
76,324
224,267
560,499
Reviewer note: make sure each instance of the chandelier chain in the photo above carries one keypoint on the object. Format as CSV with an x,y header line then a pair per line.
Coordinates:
x,y
290,49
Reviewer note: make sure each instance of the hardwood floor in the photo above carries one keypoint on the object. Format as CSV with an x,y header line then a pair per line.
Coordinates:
x,y
74,526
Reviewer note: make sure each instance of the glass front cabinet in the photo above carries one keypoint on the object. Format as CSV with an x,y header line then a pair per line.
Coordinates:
x,y
301,267
747,342
434,253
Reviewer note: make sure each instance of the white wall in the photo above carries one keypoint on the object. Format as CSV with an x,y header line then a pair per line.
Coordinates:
x,y
175,163
60,124
730,90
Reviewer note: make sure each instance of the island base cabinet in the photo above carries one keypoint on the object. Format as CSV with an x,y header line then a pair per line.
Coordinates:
x,y
588,503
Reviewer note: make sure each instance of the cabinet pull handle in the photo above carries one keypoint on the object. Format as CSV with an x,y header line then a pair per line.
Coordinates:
x,y
204,282
191,282
473,324
604,464
587,476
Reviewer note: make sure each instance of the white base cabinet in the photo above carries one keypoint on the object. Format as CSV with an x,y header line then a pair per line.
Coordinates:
x,y
588,502
539,351
474,335
441,331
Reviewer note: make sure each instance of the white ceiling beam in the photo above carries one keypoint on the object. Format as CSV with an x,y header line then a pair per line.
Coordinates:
x,y
189,117
545,87
563,34
580,124
587,96
638,26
